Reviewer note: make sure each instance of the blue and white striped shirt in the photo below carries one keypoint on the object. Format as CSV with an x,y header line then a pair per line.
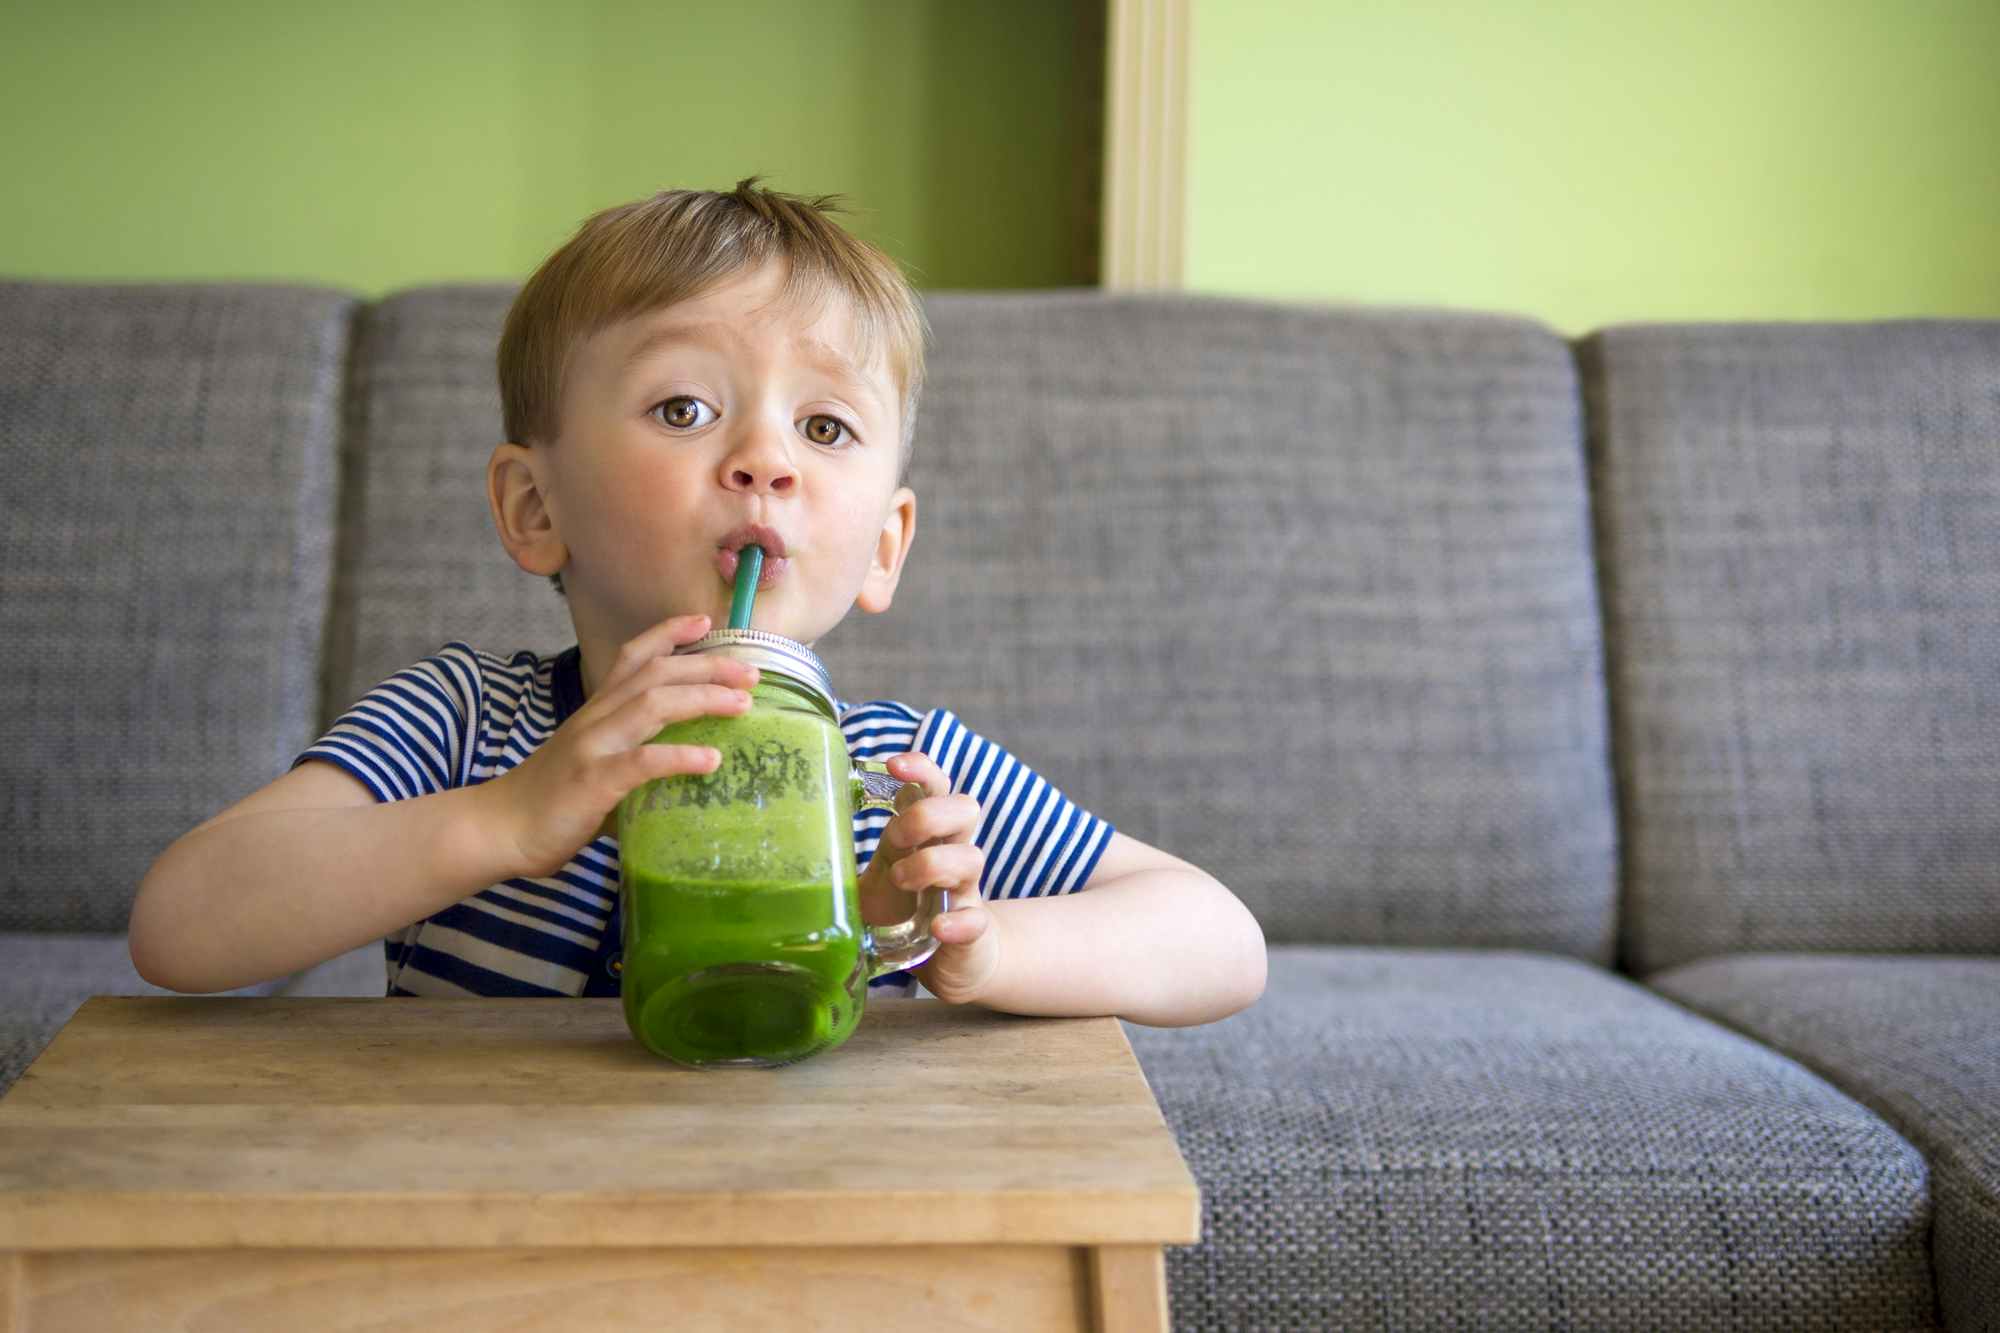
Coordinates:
x,y
461,717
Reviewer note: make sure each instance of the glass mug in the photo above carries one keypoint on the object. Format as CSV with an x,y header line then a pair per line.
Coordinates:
x,y
743,939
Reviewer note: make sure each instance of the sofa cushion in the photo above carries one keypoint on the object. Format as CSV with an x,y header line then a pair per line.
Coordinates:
x,y
1301,594
165,565
44,977
1400,1139
420,562
1801,549
1915,1039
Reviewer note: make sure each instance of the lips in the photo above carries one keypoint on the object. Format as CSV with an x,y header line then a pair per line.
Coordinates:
x,y
728,554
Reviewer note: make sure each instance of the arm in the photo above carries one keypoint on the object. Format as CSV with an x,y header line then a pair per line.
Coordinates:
x,y
1149,938
303,870
311,866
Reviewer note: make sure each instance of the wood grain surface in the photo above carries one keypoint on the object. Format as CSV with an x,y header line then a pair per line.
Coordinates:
x,y
1001,1289
197,1122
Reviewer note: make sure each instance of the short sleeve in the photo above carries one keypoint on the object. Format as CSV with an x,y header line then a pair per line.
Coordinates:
x,y
1037,841
410,735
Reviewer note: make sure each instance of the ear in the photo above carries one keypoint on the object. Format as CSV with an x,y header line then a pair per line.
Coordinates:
x,y
521,512
892,547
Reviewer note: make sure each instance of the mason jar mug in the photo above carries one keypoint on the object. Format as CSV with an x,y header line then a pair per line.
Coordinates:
x,y
743,939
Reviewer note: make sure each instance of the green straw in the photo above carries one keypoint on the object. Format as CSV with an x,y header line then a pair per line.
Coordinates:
x,y
749,568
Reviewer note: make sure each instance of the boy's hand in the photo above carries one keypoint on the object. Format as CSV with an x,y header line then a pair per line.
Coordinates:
x,y
929,845
562,795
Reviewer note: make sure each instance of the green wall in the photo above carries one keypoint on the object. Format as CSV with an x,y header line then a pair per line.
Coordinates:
x,y
1583,163
1592,163
377,145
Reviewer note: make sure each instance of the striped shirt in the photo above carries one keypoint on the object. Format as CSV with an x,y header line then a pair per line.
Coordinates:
x,y
461,717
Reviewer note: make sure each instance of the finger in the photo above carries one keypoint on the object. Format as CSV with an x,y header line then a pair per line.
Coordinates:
x,y
623,771
700,669
659,641
951,865
661,706
935,819
919,768
960,927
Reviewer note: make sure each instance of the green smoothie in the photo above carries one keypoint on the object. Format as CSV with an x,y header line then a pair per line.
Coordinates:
x,y
743,937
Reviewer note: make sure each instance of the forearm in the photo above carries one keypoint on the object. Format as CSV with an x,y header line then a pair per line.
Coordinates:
x,y
1166,948
265,893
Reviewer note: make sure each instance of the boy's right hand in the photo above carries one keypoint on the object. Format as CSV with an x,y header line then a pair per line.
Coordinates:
x,y
562,795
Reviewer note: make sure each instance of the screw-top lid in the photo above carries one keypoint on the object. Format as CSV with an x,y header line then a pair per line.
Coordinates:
x,y
771,652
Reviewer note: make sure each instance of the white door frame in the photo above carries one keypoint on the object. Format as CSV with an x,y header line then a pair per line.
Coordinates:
x,y
1144,243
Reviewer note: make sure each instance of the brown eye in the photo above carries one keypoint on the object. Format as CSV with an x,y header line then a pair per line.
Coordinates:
x,y
822,429
681,412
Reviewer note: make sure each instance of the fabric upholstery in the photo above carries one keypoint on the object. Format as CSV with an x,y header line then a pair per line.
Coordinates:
x,y
165,563
1301,594
421,563
1127,505
1305,594
1915,1039
1404,1139
1800,541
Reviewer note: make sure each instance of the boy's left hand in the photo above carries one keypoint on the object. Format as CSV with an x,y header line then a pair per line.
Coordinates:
x,y
928,844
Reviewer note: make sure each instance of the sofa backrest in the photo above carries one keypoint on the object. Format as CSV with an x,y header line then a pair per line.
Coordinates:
x,y
420,562
165,567
1800,530
1302,596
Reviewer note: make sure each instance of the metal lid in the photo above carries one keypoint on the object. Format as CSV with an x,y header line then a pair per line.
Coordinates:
x,y
770,652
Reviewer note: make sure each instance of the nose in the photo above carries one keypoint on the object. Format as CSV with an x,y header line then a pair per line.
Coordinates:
x,y
759,464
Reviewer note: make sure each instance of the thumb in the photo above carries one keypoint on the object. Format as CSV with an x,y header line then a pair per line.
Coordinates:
x,y
963,926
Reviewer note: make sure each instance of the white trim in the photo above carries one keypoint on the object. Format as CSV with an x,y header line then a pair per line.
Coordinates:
x,y
1145,145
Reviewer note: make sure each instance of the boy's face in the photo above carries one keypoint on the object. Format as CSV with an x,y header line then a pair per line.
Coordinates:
x,y
687,432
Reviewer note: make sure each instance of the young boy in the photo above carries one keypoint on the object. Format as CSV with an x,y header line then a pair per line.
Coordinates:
x,y
689,374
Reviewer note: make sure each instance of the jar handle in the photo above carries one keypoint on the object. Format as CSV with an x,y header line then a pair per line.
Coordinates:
x,y
907,943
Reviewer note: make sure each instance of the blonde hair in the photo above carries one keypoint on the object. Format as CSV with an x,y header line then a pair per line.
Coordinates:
x,y
652,253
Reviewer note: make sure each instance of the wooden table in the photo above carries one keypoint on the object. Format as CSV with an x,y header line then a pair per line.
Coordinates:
x,y
328,1163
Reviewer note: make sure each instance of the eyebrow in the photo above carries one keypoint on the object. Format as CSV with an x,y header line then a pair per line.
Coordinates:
x,y
817,351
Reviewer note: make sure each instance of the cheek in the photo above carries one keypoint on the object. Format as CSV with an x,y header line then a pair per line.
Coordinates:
x,y
859,556
618,503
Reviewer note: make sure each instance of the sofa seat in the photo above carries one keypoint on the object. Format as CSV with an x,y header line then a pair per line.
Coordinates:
x,y
45,976
1409,1139
1917,1039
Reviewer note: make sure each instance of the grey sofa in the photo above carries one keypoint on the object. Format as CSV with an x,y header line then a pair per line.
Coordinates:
x,y
1606,734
